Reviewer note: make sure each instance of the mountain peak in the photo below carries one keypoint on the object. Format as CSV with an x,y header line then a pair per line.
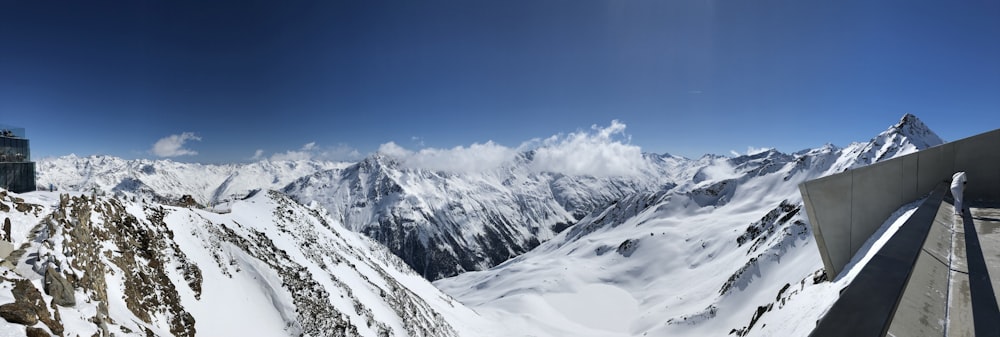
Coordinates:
x,y
915,131
908,118
907,136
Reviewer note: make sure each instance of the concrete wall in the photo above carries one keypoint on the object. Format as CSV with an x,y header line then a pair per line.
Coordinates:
x,y
844,209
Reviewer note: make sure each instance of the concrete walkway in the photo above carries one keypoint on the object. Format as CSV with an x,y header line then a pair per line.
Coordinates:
x,y
982,224
952,289
939,275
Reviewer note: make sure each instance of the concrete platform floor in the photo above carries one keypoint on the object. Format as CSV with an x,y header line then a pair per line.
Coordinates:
x,y
952,288
974,271
985,218
987,223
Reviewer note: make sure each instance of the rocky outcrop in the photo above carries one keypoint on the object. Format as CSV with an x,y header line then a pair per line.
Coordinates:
x,y
92,253
118,243
18,313
60,289
29,308
6,229
35,332
187,201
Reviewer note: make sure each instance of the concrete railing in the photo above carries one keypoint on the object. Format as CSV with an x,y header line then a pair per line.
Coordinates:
x,y
868,306
844,209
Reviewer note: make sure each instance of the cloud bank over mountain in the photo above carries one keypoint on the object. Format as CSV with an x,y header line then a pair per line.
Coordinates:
x,y
312,151
600,152
173,145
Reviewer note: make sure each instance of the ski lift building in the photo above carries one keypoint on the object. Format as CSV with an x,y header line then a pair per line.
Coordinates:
x,y
17,171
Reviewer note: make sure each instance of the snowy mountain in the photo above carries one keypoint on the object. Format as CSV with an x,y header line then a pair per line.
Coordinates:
x,y
271,267
728,253
167,180
645,245
444,223
907,136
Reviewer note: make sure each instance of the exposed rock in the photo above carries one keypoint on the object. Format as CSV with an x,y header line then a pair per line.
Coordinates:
x,y
80,246
742,276
18,313
26,295
627,247
709,313
148,291
761,310
60,289
36,332
187,201
819,276
759,230
6,230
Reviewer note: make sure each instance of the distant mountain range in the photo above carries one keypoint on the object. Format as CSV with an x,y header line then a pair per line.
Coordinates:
x,y
708,246
727,252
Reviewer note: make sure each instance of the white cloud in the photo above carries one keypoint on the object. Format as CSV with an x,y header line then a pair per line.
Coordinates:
x,y
751,151
173,145
311,151
257,155
474,158
392,150
602,151
294,155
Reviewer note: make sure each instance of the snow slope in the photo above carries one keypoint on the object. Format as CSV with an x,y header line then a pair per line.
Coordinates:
x,y
167,180
270,267
727,253
709,246
445,223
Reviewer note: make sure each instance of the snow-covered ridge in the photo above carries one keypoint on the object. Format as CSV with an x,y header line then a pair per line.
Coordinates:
x,y
168,180
907,136
446,223
728,252
270,267
709,246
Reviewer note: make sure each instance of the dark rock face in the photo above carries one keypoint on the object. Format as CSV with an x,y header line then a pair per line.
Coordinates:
x,y
442,224
427,256
187,201
36,332
776,218
60,289
18,313
716,194
627,247
6,229
28,308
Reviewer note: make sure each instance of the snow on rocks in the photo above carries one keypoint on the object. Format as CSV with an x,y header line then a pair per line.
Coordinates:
x,y
108,265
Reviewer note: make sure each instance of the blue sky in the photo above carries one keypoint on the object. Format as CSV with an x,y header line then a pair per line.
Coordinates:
x,y
686,77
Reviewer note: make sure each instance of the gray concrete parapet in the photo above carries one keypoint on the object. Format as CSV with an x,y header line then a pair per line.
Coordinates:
x,y
845,209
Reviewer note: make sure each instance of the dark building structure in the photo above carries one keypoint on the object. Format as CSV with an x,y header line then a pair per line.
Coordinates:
x,y
17,171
